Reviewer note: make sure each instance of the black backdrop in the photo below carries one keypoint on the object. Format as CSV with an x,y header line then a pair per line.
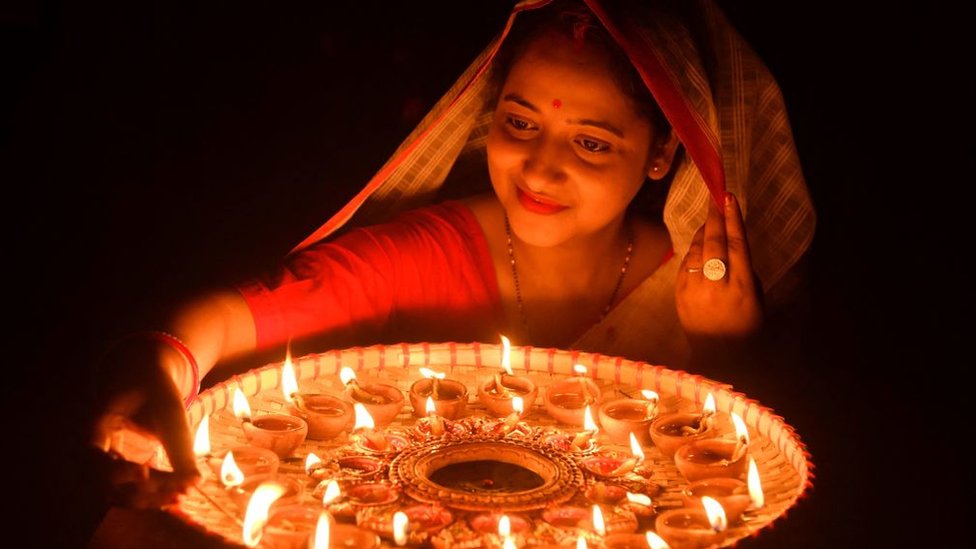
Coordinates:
x,y
151,149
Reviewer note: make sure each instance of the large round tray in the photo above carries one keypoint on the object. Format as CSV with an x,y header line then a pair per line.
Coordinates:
x,y
780,455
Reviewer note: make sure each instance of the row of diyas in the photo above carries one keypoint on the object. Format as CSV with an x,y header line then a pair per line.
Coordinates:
x,y
352,486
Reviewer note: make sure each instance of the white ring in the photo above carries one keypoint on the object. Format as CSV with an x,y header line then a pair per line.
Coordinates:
x,y
714,269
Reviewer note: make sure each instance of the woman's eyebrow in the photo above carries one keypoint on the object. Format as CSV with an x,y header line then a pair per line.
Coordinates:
x,y
518,99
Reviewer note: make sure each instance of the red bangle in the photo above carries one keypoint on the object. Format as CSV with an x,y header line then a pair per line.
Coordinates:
x,y
175,343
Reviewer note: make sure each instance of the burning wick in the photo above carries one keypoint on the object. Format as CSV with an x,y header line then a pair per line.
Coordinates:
x,y
652,400
348,378
230,473
435,384
583,438
436,423
500,388
201,445
629,464
756,494
400,528
580,371
741,437
365,422
655,541
598,525
707,416
242,410
512,420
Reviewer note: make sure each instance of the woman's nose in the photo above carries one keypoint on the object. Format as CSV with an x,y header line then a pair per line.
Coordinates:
x,y
544,165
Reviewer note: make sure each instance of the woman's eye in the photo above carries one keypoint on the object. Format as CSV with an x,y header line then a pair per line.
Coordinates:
x,y
592,145
518,123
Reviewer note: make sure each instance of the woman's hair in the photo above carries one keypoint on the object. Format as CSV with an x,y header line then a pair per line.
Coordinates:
x,y
573,20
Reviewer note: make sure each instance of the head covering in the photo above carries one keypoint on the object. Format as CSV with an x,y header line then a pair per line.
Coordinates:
x,y
724,105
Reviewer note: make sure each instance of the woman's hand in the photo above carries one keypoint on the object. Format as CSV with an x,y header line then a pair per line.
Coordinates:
x,y
139,408
730,307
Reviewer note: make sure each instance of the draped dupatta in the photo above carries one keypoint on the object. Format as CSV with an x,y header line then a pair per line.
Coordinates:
x,y
720,99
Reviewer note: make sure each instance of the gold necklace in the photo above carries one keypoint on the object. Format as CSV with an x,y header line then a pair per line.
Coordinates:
x,y
518,289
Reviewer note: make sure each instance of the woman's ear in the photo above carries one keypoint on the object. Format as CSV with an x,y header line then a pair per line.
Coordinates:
x,y
662,155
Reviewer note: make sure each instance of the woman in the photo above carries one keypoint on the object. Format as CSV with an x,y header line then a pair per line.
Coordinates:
x,y
575,124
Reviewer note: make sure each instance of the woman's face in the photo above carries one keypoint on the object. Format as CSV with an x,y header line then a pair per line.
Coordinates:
x,y
566,150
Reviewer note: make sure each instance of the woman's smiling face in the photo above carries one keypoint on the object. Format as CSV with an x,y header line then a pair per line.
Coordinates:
x,y
567,150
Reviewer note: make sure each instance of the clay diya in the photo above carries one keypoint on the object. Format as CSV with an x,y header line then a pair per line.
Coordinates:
x,y
671,431
693,528
327,416
488,523
350,536
280,433
647,540
450,397
383,401
419,522
731,493
293,490
496,393
567,399
711,458
567,516
290,526
619,418
246,461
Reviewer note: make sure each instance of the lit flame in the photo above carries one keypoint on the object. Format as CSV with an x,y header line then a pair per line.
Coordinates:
x,y
518,405
332,492
598,525
635,448
588,423
400,528
639,499
506,355
322,532
201,442
363,419
430,408
755,486
289,385
311,460
230,473
654,541
242,410
580,541
579,369
504,526
741,431
346,375
509,543
256,515
709,407
716,514
651,396
428,373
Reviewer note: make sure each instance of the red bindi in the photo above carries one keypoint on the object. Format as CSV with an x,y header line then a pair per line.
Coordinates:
x,y
556,103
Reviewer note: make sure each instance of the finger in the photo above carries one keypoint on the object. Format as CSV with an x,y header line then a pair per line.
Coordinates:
x,y
738,244
693,258
173,431
715,237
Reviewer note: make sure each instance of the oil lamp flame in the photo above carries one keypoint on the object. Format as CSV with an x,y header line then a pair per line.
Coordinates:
x,y
755,486
588,423
506,355
518,405
256,515
289,384
651,396
579,369
741,431
428,373
332,492
347,375
655,541
509,543
504,526
639,499
580,541
363,419
635,448
709,407
311,460
430,408
400,528
201,442
716,514
322,532
598,525
242,410
230,474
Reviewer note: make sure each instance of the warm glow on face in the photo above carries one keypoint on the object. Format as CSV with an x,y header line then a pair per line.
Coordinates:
x,y
230,473
709,406
741,432
311,460
580,541
201,442
635,448
598,525
654,541
588,423
518,405
289,385
242,410
363,419
504,526
332,492
639,499
506,355
347,375
400,528
650,395
428,373
430,408
579,369
256,515
716,514
755,486
322,532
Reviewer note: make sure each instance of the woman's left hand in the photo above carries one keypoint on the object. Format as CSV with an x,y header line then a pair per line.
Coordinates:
x,y
712,306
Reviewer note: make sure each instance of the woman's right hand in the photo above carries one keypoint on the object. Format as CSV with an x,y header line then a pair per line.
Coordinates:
x,y
138,412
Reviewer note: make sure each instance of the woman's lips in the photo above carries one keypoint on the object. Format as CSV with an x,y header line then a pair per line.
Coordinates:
x,y
537,204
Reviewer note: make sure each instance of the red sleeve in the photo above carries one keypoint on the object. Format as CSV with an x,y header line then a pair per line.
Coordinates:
x,y
428,274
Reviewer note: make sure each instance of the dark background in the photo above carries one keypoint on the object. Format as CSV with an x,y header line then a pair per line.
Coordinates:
x,y
150,149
